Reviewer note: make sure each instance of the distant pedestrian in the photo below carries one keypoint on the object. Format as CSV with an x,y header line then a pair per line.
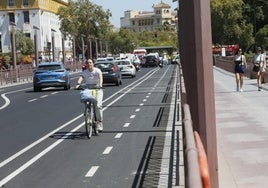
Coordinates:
x,y
259,62
239,69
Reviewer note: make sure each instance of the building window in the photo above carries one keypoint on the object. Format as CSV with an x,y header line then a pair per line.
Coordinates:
x,y
11,3
11,17
133,22
26,17
25,2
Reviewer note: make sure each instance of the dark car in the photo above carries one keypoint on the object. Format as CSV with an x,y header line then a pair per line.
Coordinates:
x,y
149,61
110,71
51,74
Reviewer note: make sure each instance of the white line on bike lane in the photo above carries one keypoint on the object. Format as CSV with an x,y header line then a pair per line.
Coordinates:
x,y
37,157
92,171
107,150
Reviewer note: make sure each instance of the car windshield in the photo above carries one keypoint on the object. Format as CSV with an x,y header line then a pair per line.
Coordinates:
x,y
122,63
104,65
49,67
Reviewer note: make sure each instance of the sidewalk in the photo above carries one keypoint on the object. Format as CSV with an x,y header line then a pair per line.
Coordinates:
x,y
242,132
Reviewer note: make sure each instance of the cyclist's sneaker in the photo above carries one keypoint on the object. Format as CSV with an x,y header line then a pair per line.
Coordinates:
x,y
100,126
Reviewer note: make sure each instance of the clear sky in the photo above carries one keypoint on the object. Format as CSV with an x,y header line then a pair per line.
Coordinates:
x,y
118,7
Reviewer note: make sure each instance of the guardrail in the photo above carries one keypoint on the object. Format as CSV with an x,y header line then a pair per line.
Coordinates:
x,y
192,169
195,160
24,73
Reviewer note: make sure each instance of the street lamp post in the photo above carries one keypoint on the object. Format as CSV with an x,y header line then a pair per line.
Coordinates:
x,y
53,44
74,52
13,48
83,49
36,55
63,48
96,42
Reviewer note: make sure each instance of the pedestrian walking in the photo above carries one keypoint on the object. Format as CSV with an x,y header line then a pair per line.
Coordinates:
x,y
239,69
259,66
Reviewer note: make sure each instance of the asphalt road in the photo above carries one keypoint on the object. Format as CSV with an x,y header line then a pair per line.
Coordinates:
x,y
42,140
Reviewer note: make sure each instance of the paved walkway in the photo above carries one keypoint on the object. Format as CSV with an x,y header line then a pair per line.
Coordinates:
x,y
242,132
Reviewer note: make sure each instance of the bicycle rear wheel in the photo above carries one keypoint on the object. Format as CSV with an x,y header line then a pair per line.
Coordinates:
x,y
88,123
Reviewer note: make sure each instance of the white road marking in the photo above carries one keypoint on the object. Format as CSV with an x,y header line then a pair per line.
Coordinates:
x,y
118,135
54,93
132,116
144,100
137,110
7,101
37,157
92,171
107,150
126,124
32,100
147,96
141,104
44,96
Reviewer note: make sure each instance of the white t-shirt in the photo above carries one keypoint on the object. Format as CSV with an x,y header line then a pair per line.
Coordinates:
x,y
91,78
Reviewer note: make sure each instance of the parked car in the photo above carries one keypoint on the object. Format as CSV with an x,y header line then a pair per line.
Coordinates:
x,y
110,71
149,61
51,74
127,68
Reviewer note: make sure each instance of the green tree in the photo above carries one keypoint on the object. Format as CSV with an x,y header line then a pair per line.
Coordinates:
x,y
229,25
262,37
24,44
122,41
84,19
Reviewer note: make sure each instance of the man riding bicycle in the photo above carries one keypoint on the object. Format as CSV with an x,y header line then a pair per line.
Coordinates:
x,y
93,76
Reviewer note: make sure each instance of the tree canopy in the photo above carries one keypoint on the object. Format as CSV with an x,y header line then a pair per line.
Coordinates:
x,y
238,21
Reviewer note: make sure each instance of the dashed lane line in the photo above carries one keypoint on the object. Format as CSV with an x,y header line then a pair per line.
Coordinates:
x,y
132,116
126,125
92,171
118,135
107,150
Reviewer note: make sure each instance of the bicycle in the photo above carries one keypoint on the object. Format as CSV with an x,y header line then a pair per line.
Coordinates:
x,y
88,97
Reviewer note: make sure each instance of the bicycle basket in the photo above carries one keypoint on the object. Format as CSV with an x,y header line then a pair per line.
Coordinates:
x,y
86,95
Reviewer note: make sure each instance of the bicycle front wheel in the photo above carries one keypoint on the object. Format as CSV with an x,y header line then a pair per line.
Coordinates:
x,y
88,123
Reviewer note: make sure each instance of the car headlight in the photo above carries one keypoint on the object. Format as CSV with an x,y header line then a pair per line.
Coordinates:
x,y
64,77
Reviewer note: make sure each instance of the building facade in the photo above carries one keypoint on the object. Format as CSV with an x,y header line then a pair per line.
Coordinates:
x,y
138,21
33,18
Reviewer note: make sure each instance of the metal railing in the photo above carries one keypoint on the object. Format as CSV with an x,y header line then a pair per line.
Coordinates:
x,y
24,73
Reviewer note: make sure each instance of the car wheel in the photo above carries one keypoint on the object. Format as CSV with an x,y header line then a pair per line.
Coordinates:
x,y
36,89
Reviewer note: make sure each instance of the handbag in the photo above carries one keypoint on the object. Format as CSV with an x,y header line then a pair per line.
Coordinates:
x,y
256,68
242,68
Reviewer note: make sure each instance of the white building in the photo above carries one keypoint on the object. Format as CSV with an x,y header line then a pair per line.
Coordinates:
x,y
138,21
33,17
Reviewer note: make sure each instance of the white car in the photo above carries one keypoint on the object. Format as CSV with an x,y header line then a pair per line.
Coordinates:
x,y
127,68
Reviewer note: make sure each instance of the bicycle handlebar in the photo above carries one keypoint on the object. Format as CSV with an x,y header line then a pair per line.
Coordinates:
x,y
88,86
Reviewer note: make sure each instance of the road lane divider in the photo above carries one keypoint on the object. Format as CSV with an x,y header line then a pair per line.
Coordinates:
x,y
37,157
118,135
107,150
92,171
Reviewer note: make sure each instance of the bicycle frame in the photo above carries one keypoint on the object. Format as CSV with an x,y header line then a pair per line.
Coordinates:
x,y
90,120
